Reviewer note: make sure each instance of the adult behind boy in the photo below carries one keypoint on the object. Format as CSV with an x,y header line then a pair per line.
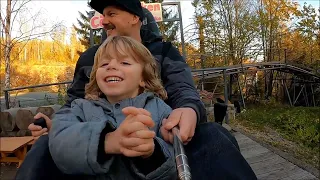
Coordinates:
x,y
213,153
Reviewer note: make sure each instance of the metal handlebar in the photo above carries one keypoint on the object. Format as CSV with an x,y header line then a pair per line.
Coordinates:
x,y
181,158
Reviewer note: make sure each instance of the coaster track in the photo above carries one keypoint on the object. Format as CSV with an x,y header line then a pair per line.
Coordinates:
x,y
263,66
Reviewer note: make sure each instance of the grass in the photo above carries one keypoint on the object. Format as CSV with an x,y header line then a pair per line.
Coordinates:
x,y
292,129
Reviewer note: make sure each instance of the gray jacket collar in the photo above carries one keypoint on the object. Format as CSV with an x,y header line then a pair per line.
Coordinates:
x,y
139,102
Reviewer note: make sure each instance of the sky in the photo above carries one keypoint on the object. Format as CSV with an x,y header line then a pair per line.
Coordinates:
x,y
66,11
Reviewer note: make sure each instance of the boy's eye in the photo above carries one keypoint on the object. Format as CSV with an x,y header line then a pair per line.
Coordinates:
x,y
104,64
125,63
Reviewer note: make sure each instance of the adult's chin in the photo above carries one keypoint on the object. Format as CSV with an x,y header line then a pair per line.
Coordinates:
x,y
111,33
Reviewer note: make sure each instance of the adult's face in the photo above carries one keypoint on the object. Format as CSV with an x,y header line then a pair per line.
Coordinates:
x,y
118,22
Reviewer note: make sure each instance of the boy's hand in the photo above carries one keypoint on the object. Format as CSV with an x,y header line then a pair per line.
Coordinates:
x,y
38,131
133,138
139,141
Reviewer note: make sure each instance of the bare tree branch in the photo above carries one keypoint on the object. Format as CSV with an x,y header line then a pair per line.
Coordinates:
x,y
33,18
17,10
13,11
2,18
25,37
31,37
12,7
24,2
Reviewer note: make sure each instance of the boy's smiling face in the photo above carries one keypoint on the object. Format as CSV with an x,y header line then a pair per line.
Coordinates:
x,y
119,78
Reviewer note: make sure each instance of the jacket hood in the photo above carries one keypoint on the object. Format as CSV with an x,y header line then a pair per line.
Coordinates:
x,y
149,30
148,36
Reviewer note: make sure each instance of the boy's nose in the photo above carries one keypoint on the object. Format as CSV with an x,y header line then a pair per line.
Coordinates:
x,y
112,65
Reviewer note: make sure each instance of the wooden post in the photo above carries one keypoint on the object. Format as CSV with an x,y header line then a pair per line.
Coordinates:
x,y
8,122
48,110
25,116
226,94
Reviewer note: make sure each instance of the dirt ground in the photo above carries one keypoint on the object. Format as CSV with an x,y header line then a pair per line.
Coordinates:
x,y
8,171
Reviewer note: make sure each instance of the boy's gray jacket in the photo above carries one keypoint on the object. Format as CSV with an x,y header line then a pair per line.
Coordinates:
x,y
75,134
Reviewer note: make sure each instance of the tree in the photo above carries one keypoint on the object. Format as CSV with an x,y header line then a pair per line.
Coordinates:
x,y
274,18
308,28
168,29
226,29
19,28
75,45
83,30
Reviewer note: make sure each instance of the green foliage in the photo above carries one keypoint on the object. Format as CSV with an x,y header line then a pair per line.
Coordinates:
x,y
306,38
62,93
301,124
48,98
244,31
168,29
226,29
298,124
83,30
307,24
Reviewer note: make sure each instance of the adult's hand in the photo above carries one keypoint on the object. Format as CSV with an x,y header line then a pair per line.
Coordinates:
x,y
185,119
37,131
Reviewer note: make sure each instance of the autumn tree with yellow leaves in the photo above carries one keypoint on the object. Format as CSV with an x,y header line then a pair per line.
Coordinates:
x,y
224,33
33,52
245,31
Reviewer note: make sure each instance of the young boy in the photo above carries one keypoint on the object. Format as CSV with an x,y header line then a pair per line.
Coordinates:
x,y
114,132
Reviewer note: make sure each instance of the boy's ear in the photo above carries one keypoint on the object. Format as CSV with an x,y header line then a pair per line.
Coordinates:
x,y
142,84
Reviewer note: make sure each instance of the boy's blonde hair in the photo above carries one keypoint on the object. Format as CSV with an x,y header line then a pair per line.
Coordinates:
x,y
138,52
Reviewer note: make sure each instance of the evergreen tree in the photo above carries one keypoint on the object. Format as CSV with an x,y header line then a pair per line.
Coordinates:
x,y
168,29
83,30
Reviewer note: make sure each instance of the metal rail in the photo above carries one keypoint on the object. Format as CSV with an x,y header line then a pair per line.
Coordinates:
x,y
213,72
240,68
6,91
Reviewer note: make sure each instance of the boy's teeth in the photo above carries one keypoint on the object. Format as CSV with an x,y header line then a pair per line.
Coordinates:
x,y
111,79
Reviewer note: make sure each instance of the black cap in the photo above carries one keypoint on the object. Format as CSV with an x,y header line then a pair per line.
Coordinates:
x,y
131,6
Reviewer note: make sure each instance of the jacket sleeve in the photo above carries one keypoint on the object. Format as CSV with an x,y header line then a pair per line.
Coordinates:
x,y
73,142
161,165
162,157
177,79
81,75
